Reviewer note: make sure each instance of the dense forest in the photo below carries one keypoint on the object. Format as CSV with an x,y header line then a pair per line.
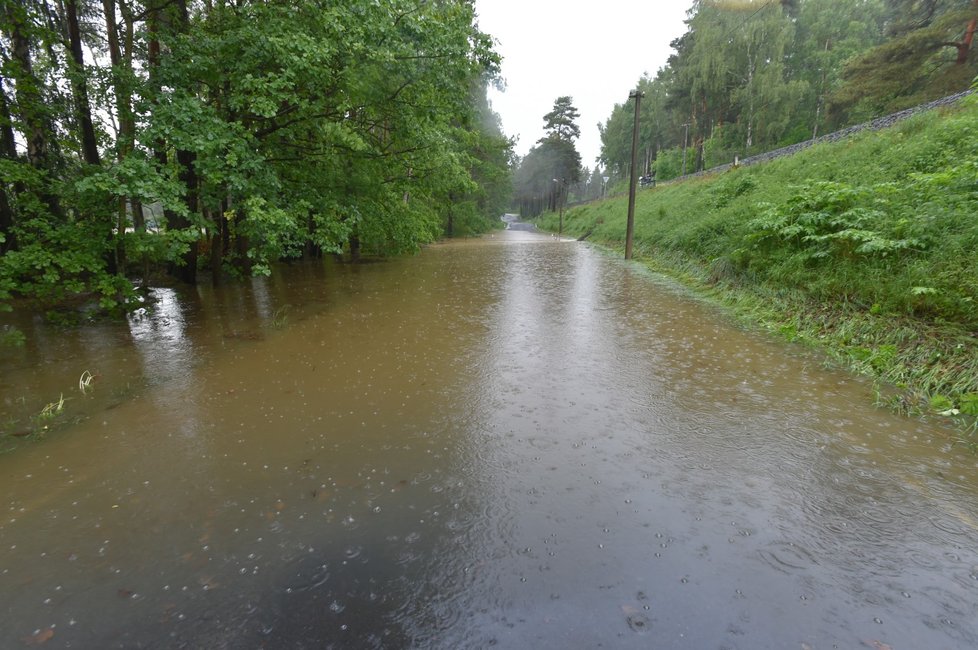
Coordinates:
x,y
224,135
750,76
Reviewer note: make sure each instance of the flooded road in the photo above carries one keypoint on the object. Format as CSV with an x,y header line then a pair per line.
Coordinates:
x,y
512,442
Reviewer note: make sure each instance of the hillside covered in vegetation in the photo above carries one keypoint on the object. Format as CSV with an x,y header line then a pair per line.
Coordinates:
x,y
751,76
867,248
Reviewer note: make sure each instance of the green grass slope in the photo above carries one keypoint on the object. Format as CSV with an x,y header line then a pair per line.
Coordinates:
x,y
867,248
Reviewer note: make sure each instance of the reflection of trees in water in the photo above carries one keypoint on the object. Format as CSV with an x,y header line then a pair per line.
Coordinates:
x,y
160,336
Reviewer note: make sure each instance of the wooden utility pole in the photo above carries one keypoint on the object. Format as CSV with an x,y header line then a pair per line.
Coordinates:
x,y
630,228
685,141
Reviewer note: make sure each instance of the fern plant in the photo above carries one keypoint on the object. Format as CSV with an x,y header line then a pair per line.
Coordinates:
x,y
828,220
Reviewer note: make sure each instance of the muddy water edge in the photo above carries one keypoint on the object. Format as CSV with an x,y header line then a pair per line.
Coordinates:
x,y
511,441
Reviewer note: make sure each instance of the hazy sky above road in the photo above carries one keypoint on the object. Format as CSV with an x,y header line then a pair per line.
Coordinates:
x,y
594,51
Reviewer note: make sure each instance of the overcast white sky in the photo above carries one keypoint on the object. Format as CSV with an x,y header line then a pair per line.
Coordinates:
x,y
594,51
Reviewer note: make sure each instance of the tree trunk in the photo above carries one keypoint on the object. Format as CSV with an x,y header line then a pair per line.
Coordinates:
x,y
311,249
26,88
37,130
8,150
354,249
121,71
158,20
241,243
751,65
8,145
964,49
225,228
153,63
6,223
79,87
121,75
450,226
820,101
188,176
217,246
139,225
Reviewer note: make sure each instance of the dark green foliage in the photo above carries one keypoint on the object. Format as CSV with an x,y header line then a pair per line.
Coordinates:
x,y
561,122
918,63
749,77
243,134
728,189
829,222
546,175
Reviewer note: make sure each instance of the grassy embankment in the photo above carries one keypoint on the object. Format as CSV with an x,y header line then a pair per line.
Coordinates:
x,y
867,249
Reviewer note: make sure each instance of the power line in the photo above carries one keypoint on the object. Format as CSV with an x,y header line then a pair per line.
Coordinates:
x,y
750,17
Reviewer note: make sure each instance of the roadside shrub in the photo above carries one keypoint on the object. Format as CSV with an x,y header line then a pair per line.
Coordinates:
x,y
731,187
827,220
669,163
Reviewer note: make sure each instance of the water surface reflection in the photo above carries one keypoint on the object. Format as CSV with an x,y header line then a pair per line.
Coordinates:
x,y
511,441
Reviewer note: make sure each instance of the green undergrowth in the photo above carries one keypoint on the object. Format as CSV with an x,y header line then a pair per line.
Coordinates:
x,y
866,249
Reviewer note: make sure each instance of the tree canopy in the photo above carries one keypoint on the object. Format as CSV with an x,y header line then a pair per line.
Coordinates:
x,y
561,122
750,76
229,135
552,168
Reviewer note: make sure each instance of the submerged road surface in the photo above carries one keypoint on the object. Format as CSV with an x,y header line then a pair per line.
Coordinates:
x,y
513,442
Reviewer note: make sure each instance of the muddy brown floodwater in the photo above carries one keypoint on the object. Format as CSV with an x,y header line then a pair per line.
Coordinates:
x,y
511,441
